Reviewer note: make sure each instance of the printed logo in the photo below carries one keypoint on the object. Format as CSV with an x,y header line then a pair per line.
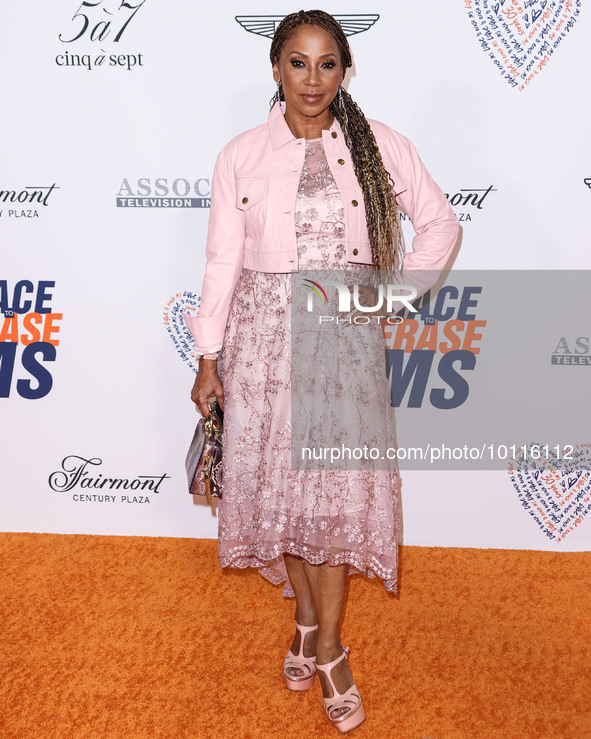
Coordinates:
x,y
28,338
440,341
467,201
266,25
520,37
162,193
556,499
79,474
179,306
575,352
24,203
97,28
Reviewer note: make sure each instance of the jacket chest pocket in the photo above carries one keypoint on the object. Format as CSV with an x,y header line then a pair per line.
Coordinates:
x,y
251,195
250,191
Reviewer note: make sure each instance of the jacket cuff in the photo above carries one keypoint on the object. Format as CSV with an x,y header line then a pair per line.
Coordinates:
x,y
207,333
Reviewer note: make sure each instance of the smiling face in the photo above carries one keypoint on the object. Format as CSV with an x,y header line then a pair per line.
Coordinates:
x,y
309,68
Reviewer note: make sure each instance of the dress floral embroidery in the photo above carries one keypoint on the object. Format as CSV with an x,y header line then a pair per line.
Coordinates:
x,y
267,508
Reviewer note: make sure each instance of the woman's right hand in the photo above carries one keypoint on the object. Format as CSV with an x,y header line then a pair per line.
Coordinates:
x,y
207,385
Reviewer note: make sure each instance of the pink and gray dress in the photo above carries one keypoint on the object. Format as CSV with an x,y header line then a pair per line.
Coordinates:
x,y
269,509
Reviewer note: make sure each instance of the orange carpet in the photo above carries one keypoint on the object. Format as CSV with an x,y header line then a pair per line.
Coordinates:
x,y
146,637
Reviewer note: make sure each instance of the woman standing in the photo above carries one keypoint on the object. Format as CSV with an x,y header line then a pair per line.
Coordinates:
x,y
316,187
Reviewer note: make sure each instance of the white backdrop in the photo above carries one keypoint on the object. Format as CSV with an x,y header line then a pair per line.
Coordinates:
x,y
139,109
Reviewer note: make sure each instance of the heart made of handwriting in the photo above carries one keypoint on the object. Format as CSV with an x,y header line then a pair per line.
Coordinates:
x,y
521,37
185,302
555,493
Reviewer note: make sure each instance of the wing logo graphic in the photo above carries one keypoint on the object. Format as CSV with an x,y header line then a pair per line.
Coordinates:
x,y
265,25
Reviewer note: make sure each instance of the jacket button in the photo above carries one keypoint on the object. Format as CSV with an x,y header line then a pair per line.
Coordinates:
x,y
355,252
354,203
244,201
334,134
341,161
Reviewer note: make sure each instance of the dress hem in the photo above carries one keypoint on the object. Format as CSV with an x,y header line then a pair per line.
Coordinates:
x,y
273,568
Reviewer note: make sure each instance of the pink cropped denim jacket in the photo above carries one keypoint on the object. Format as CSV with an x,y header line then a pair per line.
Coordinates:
x,y
253,197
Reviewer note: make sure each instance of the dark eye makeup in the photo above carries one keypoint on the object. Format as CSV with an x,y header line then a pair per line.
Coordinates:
x,y
298,63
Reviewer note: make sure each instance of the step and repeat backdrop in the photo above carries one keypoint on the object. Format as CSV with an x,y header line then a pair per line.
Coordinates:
x,y
113,112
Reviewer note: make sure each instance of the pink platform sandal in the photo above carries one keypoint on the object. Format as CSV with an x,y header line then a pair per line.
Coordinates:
x,y
306,664
350,699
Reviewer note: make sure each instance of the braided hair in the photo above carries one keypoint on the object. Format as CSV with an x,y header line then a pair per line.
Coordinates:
x,y
381,211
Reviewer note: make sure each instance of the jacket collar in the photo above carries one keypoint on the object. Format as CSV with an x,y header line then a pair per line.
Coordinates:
x,y
280,131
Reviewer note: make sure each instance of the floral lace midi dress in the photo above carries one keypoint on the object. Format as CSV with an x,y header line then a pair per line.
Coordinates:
x,y
268,509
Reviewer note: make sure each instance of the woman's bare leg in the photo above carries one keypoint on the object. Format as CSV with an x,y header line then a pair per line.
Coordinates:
x,y
305,613
319,593
327,586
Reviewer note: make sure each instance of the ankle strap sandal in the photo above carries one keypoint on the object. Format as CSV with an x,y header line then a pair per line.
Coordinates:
x,y
307,665
350,700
